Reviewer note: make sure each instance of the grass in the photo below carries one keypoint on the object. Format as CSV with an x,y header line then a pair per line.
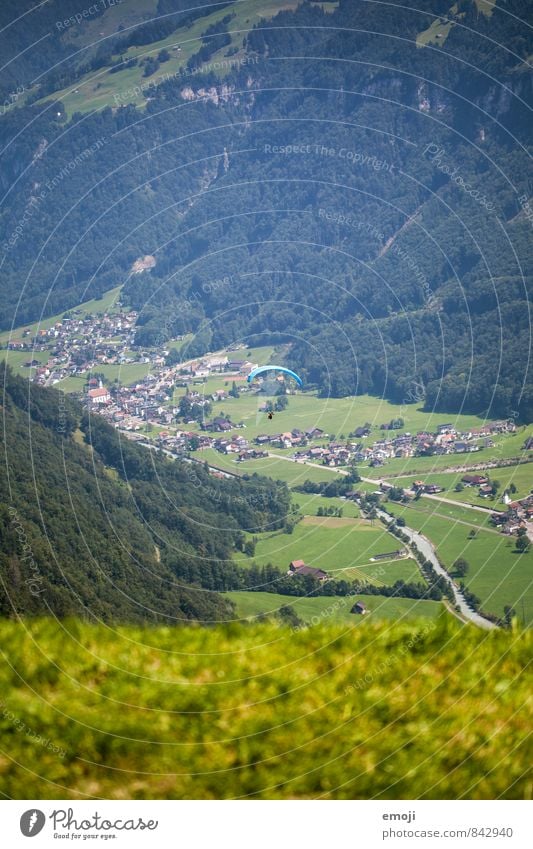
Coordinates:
x,y
332,522
486,6
436,28
497,574
328,548
385,573
308,504
432,507
126,374
335,610
274,467
340,416
16,360
178,344
424,709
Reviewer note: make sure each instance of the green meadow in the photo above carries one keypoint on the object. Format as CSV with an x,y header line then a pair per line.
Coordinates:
x,y
398,709
274,467
335,610
337,417
472,519
308,503
331,546
126,374
17,360
498,574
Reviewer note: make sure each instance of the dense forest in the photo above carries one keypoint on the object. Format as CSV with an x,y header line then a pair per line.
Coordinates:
x,y
366,205
93,525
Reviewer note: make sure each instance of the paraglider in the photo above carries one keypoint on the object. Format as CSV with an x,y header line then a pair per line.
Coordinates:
x,y
261,369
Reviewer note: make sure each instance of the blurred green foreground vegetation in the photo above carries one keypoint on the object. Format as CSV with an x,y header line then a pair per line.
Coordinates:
x,y
421,710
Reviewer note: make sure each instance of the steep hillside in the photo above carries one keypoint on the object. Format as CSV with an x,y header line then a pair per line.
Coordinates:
x,y
390,712
95,526
367,203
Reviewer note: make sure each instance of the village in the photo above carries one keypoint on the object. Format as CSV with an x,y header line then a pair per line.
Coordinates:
x,y
80,345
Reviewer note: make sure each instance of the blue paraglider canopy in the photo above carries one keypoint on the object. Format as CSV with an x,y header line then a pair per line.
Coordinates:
x,y
257,371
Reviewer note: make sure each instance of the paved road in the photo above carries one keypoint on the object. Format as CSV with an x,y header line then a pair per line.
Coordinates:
x,y
376,483
428,550
424,545
486,510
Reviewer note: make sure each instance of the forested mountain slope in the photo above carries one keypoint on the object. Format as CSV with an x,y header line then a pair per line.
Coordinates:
x,y
351,186
93,525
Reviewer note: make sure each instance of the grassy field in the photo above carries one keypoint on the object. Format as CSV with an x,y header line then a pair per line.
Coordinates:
x,y
16,360
340,416
498,575
392,710
436,33
275,467
330,548
308,504
332,610
431,507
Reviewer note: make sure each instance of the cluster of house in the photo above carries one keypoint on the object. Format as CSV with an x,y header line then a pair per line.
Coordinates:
x,y
150,399
78,344
517,515
290,439
485,488
445,440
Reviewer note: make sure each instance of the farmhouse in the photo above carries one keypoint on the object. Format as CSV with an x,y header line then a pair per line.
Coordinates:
x,y
474,480
353,494
298,567
432,488
314,433
359,607
391,555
